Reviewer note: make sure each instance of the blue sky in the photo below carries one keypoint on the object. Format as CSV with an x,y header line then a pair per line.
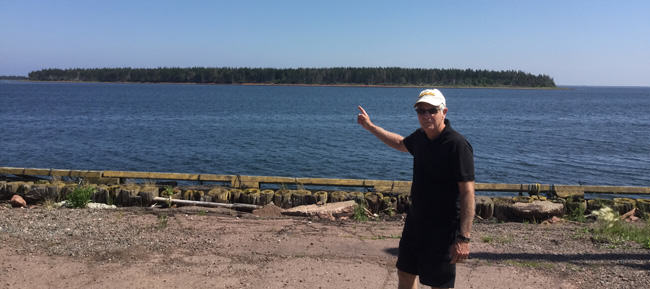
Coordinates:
x,y
575,42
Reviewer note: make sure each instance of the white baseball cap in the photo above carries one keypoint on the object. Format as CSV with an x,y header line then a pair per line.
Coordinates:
x,y
433,97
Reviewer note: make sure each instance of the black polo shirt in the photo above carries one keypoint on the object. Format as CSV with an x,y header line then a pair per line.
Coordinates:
x,y
438,166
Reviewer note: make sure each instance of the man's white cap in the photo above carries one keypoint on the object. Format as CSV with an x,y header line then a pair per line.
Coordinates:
x,y
433,97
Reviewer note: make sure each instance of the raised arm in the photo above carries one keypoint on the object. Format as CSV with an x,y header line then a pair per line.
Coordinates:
x,y
391,139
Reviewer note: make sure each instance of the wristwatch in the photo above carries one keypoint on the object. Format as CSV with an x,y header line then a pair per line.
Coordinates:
x,y
462,239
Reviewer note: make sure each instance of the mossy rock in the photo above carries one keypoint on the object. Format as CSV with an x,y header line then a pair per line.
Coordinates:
x,y
128,196
3,188
302,197
251,196
219,194
538,198
266,197
644,207
374,201
102,195
40,192
68,188
597,204
337,196
235,195
403,202
147,193
522,199
54,189
320,197
16,188
484,207
573,205
389,205
282,198
358,197
624,205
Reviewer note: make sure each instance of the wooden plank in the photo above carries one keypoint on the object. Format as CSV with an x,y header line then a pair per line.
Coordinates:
x,y
36,172
11,171
254,181
616,190
86,174
564,191
148,175
60,173
209,204
215,178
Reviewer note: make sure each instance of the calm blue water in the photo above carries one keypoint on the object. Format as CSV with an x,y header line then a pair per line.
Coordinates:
x,y
581,135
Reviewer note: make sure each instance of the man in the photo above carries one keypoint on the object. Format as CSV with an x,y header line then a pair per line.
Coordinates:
x,y
436,234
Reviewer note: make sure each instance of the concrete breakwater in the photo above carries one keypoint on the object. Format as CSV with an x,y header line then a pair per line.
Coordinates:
x,y
535,202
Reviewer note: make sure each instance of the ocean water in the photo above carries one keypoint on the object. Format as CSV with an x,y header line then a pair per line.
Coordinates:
x,y
577,135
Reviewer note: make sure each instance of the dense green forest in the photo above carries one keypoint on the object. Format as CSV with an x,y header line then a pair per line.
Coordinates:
x,y
318,76
12,77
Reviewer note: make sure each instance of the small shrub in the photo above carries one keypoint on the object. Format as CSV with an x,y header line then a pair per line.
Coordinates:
x,y
612,230
162,222
360,213
80,197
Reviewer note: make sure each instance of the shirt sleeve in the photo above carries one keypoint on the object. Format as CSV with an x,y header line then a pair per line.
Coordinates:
x,y
463,161
409,142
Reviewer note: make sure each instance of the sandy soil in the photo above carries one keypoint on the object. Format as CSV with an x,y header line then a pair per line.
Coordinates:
x,y
193,247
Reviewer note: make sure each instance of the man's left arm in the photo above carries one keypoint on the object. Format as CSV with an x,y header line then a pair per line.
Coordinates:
x,y
460,248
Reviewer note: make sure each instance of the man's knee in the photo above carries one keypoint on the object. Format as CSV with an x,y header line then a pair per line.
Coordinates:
x,y
406,280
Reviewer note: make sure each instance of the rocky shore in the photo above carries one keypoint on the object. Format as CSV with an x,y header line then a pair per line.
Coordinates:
x,y
193,247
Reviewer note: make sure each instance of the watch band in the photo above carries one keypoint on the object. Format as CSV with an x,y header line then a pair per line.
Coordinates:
x,y
463,239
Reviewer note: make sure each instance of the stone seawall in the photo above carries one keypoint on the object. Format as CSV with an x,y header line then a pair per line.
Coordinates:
x,y
534,208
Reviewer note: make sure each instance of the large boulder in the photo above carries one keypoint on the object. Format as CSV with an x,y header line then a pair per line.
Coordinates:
x,y
374,201
484,207
17,202
535,211
147,193
219,194
329,211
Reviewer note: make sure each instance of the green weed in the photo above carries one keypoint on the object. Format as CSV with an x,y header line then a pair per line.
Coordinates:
x,y
162,221
381,237
80,197
360,213
610,229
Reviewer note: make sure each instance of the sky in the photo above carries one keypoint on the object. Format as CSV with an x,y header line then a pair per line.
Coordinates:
x,y
575,42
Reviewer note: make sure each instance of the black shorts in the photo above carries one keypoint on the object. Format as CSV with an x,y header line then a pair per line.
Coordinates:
x,y
425,252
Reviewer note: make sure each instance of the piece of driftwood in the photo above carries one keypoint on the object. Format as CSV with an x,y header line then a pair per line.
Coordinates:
x,y
247,207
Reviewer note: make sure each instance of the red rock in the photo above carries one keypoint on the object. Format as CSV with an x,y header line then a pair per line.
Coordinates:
x,y
17,201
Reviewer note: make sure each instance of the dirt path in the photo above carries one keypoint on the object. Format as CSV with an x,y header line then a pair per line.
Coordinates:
x,y
212,248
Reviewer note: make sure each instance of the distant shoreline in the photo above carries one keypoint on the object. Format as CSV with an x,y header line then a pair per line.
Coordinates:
x,y
307,85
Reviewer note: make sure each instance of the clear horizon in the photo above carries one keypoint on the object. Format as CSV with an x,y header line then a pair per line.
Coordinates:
x,y
592,43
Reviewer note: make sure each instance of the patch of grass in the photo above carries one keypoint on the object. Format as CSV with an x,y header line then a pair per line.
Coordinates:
x,y
497,240
162,221
49,204
577,214
202,213
360,213
80,196
381,237
618,232
530,264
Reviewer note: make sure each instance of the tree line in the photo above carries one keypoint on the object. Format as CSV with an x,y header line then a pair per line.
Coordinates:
x,y
318,76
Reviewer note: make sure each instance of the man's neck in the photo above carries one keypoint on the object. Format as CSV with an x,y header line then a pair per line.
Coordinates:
x,y
432,134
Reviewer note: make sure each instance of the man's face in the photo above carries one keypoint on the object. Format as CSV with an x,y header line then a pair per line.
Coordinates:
x,y
430,121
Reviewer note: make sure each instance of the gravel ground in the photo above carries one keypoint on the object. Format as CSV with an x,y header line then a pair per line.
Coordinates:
x,y
193,247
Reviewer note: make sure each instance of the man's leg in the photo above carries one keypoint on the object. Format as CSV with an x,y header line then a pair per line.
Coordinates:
x,y
406,280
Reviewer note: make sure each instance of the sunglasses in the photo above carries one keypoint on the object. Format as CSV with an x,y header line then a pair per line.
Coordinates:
x,y
427,111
